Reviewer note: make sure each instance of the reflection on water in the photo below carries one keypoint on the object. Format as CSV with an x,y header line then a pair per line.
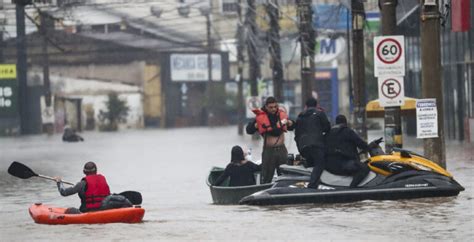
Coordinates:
x,y
169,168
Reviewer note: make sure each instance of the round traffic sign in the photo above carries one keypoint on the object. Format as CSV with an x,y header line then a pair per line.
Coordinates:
x,y
253,103
389,51
391,88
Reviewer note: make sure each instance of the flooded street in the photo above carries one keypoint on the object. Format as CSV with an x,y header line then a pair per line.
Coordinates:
x,y
169,168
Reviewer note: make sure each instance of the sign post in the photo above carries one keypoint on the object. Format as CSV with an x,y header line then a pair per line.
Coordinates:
x,y
8,91
391,91
389,67
389,55
426,118
253,102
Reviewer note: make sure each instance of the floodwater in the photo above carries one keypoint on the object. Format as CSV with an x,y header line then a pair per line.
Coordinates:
x,y
169,168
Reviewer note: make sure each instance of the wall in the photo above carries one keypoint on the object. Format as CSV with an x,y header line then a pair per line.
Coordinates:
x,y
127,73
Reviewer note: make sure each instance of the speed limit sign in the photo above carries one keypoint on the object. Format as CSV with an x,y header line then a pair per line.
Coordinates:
x,y
389,55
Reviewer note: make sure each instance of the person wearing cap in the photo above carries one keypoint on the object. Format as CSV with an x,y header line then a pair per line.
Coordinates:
x,y
342,154
92,189
240,170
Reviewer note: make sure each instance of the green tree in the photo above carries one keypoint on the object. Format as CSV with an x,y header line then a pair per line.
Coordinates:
x,y
116,112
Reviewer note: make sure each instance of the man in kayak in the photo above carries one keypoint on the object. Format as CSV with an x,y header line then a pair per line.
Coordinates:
x,y
92,189
240,170
311,126
272,123
342,154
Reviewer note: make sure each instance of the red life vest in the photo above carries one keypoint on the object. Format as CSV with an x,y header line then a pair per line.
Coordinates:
x,y
97,190
263,122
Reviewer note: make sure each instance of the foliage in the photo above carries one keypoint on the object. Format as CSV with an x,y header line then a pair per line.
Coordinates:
x,y
116,112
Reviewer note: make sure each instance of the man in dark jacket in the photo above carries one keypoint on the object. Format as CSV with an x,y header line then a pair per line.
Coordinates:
x,y
342,154
311,126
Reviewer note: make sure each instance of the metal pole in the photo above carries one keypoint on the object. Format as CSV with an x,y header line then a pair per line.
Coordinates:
x,y
275,50
2,47
393,123
431,73
210,92
358,61
307,40
240,71
252,41
45,19
22,67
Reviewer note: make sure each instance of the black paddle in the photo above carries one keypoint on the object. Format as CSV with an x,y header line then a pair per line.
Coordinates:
x,y
134,197
24,172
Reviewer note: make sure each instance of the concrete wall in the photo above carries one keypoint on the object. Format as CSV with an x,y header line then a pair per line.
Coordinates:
x,y
132,73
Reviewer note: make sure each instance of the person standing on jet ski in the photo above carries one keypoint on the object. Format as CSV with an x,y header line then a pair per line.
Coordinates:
x,y
272,123
311,126
342,154
240,170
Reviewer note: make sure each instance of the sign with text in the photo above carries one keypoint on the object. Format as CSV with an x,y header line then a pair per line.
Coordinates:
x,y
426,118
391,91
193,67
252,102
8,98
8,71
389,55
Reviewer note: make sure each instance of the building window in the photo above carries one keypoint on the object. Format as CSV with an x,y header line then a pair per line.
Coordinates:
x,y
229,6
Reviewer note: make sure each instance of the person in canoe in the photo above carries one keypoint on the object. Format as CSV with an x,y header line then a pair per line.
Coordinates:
x,y
240,170
92,189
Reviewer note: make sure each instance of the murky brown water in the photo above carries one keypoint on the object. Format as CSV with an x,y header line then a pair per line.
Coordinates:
x,y
169,168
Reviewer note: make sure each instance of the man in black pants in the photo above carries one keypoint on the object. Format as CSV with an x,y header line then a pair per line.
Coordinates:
x,y
311,126
342,154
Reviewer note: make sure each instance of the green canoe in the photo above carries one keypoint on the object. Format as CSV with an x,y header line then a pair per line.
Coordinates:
x,y
224,194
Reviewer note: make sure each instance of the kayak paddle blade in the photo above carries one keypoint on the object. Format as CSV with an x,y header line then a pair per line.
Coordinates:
x,y
21,171
134,197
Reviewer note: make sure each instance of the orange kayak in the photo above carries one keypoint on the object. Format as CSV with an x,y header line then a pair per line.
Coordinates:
x,y
45,214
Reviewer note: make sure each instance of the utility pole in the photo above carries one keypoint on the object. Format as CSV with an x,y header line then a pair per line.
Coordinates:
x,y
393,123
358,61
252,48
308,43
209,71
206,12
2,47
240,70
275,50
434,148
22,65
45,23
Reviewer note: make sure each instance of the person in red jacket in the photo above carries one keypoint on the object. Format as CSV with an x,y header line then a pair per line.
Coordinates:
x,y
272,123
92,189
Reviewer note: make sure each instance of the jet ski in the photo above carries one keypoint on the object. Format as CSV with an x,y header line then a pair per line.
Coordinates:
x,y
401,174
